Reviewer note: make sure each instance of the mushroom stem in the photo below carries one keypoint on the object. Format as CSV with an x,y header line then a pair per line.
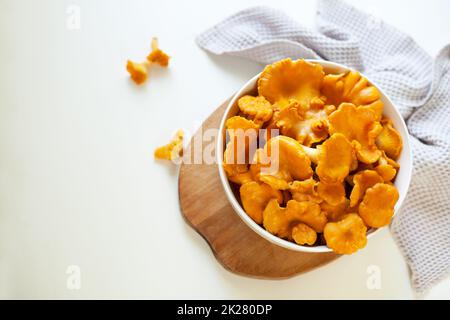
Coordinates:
x,y
312,153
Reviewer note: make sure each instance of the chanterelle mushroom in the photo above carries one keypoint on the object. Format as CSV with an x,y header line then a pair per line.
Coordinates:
x,y
255,196
243,134
286,79
360,127
284,160
302,234
305,190
377,206
362,181
280,221
389,140
347,235
157,55
386,167
308,124
334,158
353,88
258,108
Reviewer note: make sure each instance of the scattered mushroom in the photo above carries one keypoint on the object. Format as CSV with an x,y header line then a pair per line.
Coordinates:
x,y
173,149
138,71
157,55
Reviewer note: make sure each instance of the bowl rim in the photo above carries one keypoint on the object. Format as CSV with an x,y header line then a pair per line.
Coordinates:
x,y
238,208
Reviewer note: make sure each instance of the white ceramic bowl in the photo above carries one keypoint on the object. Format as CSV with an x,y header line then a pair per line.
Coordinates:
x,y
401,182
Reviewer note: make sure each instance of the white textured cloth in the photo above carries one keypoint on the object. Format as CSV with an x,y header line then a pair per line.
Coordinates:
x,y
419,87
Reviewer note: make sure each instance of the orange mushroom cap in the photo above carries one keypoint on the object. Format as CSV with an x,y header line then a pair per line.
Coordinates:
x,y
280,221
335,159
389,140
360,127
138,71
377,207
286,162
173,149
305,190
335,212
157,55
255,197
353,88
362,181
258,108
302,234
306,124
287,79
333,193
387,168
347,235
243,136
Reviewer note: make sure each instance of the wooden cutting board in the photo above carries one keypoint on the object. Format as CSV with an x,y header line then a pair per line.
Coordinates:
x,y
239,249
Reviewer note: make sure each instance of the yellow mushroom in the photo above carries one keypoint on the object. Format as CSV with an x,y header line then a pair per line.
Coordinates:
x,y
360,127
353,88
285,162
362,181
333,193
243,135
308,124
157,55
377,206
305,190
286,79
335,158
302,234
347,235
138,71
387,168
389,140
258,108
173,149
255,196
280,221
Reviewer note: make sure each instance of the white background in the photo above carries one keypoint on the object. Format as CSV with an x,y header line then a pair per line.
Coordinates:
x,y
78,182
